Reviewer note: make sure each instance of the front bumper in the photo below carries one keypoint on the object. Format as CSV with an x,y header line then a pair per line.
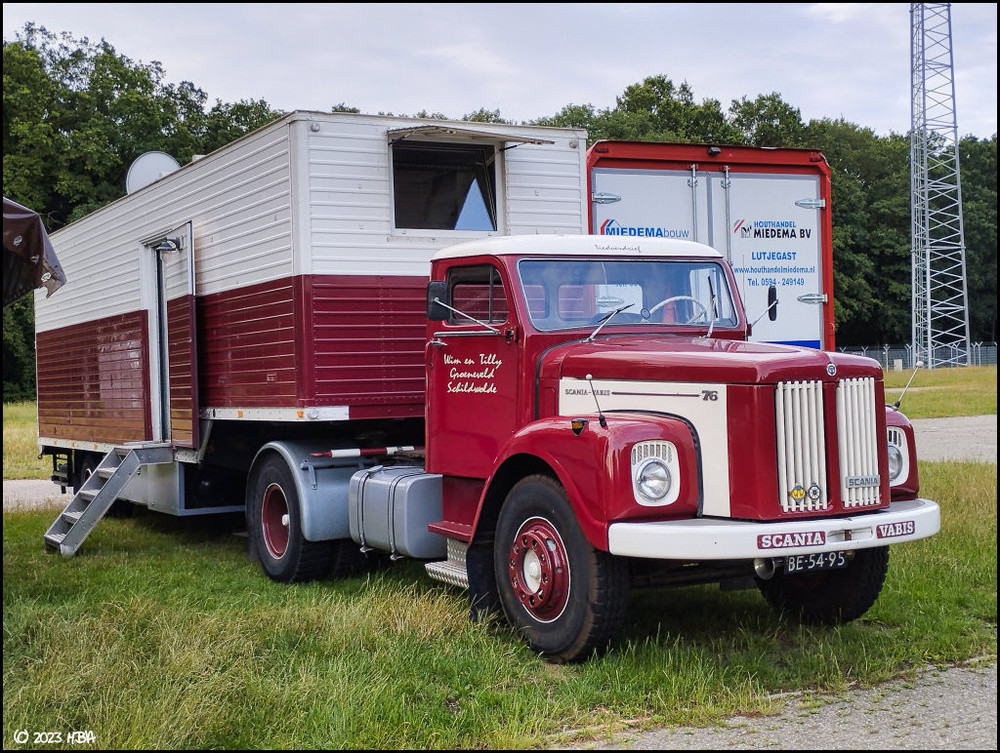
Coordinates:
x,y
720,539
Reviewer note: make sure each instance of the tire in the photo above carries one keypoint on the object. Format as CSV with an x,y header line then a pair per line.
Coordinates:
x,y
88,464
563,596
833,596
274,527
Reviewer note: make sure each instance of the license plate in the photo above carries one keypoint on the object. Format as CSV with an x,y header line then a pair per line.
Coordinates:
x,y
807,563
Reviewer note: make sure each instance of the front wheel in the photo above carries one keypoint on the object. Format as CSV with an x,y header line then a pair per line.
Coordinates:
x,y
566,598
832,596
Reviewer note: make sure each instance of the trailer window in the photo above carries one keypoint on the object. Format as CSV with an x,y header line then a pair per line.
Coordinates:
x,y
444,186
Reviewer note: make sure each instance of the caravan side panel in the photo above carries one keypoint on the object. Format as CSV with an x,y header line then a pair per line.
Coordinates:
x,y
238,203
369,338
93,380
347,212
247,352
309,301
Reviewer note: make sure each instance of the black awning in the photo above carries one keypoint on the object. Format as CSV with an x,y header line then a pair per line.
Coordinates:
x,y
29,261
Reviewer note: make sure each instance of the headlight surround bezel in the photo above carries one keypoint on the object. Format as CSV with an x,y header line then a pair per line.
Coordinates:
x,y
899,456
655,473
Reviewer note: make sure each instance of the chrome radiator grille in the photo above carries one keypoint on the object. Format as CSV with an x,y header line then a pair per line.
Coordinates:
x,y
857,437
800,426
801,446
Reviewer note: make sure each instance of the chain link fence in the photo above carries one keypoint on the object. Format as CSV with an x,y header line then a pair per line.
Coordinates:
x,y
900,357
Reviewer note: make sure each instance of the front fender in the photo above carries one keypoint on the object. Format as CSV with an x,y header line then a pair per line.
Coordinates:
x,y
908,486
593,465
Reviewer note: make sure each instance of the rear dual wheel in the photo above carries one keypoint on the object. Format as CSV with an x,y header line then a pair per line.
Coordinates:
x,y
274,525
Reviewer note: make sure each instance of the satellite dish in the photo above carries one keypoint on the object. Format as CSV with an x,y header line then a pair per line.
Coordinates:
x,y
149,168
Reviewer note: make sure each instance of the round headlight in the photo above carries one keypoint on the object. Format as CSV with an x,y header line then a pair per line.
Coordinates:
x,y
653,480
895,463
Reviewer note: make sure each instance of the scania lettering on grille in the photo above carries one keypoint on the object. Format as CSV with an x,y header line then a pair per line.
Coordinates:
x,y
902,528
785,540
855,482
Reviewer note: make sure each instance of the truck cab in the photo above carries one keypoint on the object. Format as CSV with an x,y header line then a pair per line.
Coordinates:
x,y
598,418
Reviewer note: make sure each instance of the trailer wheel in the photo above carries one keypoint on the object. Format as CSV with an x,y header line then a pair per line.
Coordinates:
x,y
274,526
566,598
833,596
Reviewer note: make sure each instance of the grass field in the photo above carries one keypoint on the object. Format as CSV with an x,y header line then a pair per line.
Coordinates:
x,y
160,634
939,393
20,443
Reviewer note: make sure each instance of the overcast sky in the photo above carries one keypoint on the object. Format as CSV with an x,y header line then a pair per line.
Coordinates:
x,y
829,60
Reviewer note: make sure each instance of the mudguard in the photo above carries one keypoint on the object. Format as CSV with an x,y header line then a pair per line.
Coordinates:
x,y
900,430
592,461
323,485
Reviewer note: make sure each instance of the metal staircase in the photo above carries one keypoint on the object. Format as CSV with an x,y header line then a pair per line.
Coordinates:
x,y
99,492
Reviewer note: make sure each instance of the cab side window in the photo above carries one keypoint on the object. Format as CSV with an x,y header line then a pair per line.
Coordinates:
x,y
478,292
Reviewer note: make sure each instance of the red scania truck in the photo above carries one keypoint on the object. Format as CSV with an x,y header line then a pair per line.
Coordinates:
x,y
391,336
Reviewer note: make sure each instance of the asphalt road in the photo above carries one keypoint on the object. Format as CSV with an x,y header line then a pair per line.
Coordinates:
x,y
936,709
953,708
963,438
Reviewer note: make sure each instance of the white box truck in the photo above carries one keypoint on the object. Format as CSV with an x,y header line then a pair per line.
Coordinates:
x,y
766,210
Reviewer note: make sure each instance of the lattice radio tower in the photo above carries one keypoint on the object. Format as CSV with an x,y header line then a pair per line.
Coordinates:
x,y
940,300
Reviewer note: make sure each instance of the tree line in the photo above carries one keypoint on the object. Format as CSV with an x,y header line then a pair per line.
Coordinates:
x,y
77,113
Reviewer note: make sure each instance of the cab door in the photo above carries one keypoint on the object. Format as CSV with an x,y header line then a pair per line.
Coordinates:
x,y
472,360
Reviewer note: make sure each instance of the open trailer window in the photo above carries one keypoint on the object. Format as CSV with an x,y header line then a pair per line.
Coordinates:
x,y
440,186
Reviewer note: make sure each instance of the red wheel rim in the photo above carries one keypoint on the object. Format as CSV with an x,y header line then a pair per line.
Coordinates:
x,y
274,521
538,569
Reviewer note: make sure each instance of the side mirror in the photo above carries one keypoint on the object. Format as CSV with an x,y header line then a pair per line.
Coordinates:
x,y
437,293
772,303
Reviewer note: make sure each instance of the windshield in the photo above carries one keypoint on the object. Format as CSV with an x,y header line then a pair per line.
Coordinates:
x,y
565,293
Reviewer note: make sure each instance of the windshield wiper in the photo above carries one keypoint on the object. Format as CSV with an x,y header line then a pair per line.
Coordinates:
x,y
462,314
607,318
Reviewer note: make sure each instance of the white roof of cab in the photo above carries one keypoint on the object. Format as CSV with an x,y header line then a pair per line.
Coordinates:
x,y
576,245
